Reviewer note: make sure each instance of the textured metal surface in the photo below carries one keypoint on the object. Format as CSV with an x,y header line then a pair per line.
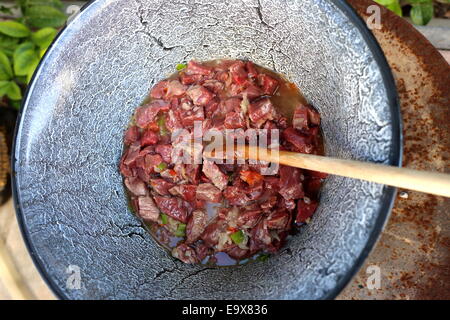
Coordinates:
x,y
69,141
414,250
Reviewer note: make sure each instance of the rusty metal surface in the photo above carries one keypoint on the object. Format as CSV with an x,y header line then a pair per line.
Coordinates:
x,y
413,252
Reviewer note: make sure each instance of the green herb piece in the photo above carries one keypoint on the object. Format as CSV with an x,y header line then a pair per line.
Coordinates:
x,y
181,66
164,218
14,29
263,257
238,237
181,230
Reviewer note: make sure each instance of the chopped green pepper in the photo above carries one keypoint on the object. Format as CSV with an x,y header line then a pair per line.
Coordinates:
x,y
162,166
164,218
181,66
238,237
181,230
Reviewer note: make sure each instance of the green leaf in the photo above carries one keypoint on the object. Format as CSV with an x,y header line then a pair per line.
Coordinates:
x,y
53,3
44,37
42,52
5,67
421,13
21,80
32,69
16,104
10,89
14,29
44,16
25,59
4,85
8,44
393,5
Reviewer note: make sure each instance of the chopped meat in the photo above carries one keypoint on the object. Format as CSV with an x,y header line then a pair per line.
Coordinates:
x,y
131,135
278,220
159,90
152,160
165,151
212,172
206,208
260,234
235,196
305,210
261,111
146,114
188,79
301,143
161,186
208,192
202,251
300,118
238,72
186,191
173,121
212,232
291,186
147,209
136,186
185,253
252,73
197,68
196,225
149,138
192,173
195,114
313,116
249,219
200,95
234,120
313,187
238,253
268,84
132,154
175,89
173,207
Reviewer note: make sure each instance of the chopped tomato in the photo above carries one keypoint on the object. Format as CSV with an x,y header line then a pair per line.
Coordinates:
x,y
153,126
251,177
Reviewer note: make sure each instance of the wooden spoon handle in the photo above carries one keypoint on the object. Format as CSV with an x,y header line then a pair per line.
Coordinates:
x,y
423,181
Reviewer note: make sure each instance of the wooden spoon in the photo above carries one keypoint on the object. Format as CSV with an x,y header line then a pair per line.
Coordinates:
x,y
423,181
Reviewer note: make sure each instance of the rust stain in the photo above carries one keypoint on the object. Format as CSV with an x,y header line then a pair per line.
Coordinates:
x,y
413,251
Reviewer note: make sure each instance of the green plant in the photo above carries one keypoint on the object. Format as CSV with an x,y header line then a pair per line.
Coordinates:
x,y
422,11
23,42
